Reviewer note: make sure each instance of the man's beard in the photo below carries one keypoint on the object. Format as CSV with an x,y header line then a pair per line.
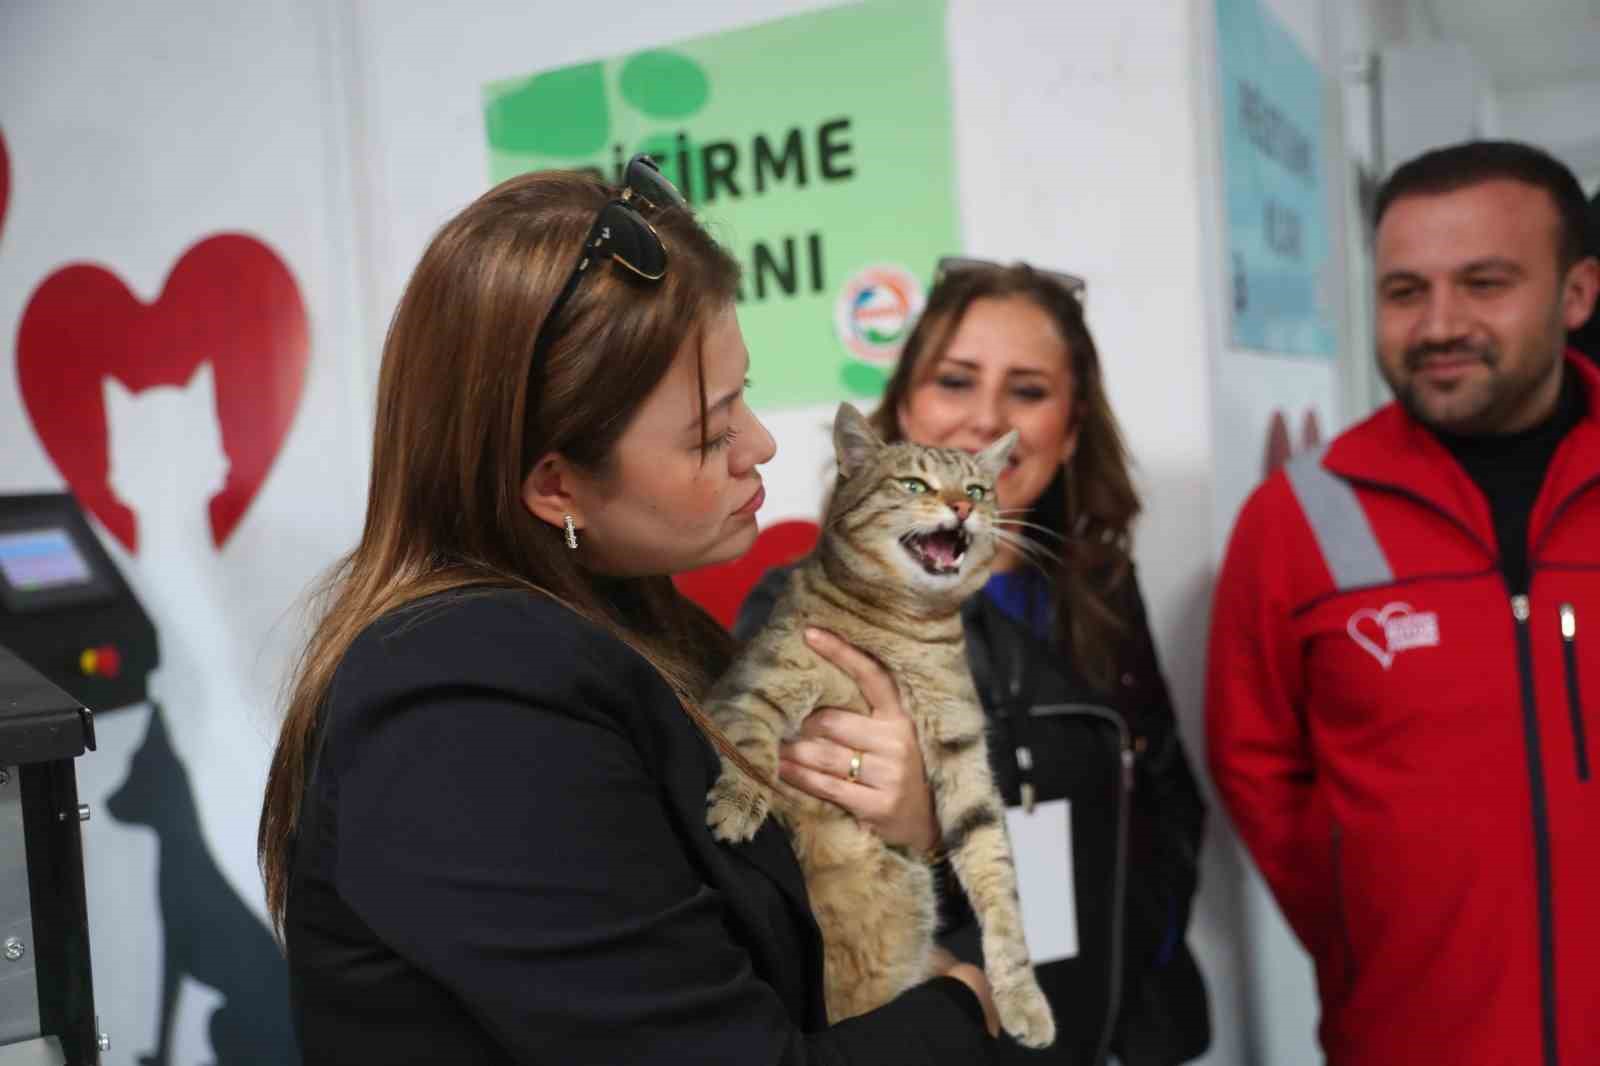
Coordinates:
x,y
1501,394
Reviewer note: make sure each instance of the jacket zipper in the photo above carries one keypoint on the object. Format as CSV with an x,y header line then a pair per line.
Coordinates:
x,y
1569,650
1119,873
1520,611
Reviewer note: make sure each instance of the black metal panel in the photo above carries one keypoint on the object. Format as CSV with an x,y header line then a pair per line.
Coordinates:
x,y
60,910
42,729
38,721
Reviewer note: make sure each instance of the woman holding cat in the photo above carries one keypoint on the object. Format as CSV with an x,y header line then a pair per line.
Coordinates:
x,y
1063,659
483,836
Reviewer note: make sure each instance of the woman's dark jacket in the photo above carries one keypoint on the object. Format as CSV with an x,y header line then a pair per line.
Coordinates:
x,y
1139,994
503,858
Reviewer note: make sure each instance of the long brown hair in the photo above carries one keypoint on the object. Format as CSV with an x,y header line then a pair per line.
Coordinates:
x,y
462,416
1091,504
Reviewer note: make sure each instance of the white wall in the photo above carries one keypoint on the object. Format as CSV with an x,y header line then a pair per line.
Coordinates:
x,y
1563,118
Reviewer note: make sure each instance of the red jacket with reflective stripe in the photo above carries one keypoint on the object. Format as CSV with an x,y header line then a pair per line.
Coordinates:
x,y
1411,754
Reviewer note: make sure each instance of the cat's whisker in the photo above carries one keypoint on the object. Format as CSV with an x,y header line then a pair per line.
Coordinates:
x,y
1031,550
1016,523
1041,565
1028,550
1013,533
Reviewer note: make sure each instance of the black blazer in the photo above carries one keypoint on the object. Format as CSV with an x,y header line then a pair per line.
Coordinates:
x,y
502,858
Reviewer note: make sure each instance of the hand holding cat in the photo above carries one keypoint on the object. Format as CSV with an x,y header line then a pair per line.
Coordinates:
x,y
890,793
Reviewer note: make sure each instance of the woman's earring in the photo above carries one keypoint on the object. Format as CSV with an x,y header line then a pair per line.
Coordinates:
x,y
572,534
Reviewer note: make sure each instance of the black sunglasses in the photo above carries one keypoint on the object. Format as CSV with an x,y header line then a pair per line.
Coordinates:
x,y
621,235
955,264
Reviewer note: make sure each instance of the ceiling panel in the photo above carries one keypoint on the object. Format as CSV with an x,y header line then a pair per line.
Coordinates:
x,y
1525,44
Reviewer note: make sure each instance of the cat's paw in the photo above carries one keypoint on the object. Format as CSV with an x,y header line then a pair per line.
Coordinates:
x,y
1024,1012
736,807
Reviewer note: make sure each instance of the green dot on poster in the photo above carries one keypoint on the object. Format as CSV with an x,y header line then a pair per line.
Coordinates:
x,y
562,113
862,379
664,85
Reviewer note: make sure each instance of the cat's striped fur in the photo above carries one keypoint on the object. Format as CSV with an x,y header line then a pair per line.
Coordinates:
x,y
876,906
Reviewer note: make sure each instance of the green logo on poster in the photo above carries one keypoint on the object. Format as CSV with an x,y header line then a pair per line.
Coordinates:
x,y
662,86
812,154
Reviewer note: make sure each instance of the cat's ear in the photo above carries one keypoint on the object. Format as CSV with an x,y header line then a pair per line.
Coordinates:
x,y
854,443
116,397
118,403
993,458
202,383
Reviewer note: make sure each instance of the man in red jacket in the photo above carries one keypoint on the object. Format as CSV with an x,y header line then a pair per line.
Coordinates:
x,y
1403,699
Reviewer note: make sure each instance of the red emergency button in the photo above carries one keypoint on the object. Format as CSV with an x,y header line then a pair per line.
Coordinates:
x,y
102,661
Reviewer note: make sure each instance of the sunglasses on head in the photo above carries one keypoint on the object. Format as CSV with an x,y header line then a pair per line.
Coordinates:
x,y
955,264
621,235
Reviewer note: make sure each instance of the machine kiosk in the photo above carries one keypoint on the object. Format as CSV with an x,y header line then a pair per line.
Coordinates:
x,y
64,608
72,637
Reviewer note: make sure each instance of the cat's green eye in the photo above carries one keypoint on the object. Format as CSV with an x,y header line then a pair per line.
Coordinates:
x,y
914,485
976,492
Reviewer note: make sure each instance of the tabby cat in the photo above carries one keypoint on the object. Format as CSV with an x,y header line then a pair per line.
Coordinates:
x,y
908,535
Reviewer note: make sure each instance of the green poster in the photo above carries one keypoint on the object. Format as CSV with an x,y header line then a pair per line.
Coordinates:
x,y
819,150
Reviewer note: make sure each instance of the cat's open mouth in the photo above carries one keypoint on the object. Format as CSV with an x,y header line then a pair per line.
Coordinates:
x,y
939,552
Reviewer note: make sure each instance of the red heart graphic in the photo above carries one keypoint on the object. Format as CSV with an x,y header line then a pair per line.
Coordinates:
x,y
5,181
721,589
229,300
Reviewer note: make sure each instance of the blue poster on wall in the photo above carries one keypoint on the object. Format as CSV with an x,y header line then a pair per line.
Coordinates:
x,y
1280,257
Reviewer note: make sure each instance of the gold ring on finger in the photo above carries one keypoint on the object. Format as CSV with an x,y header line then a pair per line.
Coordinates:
x,y
855,767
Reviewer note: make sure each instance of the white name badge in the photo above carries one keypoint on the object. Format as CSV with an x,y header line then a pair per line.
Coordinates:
x,y
1041,844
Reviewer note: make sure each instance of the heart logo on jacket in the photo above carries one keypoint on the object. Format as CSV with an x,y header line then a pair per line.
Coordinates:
x,y
229,301
1395,628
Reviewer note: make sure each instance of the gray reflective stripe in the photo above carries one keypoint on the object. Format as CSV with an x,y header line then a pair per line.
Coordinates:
x,y
1348,544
